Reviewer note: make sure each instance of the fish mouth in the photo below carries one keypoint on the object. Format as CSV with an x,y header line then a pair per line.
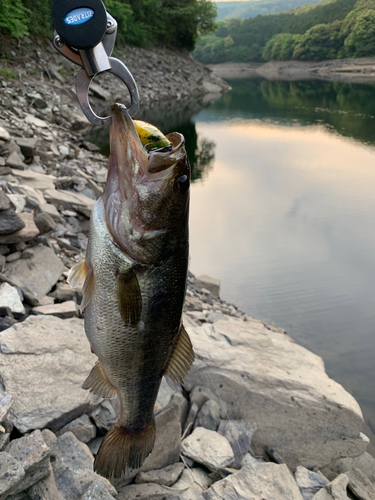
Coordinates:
x,y
131,160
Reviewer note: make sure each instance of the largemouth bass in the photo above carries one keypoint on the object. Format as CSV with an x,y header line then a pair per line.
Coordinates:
x,y
134,282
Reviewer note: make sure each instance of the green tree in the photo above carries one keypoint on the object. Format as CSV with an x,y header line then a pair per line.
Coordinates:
x,y
319,42
361,40
13,17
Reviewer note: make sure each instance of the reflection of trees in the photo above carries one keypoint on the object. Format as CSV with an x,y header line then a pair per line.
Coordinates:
x,y
347,108
201,151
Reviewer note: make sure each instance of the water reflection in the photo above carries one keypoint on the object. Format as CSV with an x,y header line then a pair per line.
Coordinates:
x,y
348,109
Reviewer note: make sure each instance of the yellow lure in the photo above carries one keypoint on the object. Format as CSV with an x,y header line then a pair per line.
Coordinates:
x,y
150,136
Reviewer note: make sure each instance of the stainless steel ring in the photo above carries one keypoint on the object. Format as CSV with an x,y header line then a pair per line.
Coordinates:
x,y
83,81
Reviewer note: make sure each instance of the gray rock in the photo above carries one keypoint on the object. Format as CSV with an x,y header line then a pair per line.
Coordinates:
x,y
49,437
6,401
213,317
11,473
51,210
33,454
166,449
10,222
81,427
36,122
64,292
183,406
208,416
53,357
190,419
34,179
200,395
4,201
335,490
44,223
265,377
365,463
165,476
9,297
192,484
165,393
13,256
98,91
360,485
96,491
239,434
95,445
64,310
309,482
28,232
15,161
148,491
4,134
27,253
45,489
27,145
73,467
70,201
208,448
260,481
34,197
26,273
19,202
211,284
248,460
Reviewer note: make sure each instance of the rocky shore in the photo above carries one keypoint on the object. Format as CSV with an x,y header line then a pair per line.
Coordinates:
x,y
360,70
258,418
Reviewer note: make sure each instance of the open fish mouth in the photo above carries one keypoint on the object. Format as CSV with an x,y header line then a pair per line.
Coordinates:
x,y
131,156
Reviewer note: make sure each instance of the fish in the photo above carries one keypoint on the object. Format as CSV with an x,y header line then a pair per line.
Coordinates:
x,y
134,278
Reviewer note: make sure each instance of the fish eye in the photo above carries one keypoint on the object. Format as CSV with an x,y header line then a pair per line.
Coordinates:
x,y
183,184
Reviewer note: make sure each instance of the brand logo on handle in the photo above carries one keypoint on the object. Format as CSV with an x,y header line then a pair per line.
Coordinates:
x,y
79,16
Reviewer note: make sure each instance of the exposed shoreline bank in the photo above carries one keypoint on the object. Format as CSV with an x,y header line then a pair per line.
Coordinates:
x,y
339,70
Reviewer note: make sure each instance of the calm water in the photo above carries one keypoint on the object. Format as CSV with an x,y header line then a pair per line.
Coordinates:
x,y
283,213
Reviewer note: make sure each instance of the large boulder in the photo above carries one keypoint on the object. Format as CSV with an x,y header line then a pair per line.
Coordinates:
x,y
43,363
264,377
26,273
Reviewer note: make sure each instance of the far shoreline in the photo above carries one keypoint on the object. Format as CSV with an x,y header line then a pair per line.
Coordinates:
x,y
360,70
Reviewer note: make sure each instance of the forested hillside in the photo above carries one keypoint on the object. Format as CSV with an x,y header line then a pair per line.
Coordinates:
x,y
331,29
252,8
173,23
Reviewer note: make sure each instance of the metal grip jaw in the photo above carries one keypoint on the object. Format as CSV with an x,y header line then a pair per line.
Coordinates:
x,y
86,36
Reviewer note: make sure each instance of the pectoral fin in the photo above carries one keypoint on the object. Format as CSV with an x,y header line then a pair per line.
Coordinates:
x,y
98,383
180,361
78,273
88,289
130,298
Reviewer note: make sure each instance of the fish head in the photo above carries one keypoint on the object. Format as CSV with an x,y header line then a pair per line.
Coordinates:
x,y
146,197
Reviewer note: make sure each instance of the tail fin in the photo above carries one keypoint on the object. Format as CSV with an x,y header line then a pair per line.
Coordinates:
x,y
124,450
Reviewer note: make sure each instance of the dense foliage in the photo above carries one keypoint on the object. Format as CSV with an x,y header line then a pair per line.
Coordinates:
x,y
331,29
175,23
251,8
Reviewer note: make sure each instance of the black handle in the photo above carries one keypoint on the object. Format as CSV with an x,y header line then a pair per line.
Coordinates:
x,y
80,23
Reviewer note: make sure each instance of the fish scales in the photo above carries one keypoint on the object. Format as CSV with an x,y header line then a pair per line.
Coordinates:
x,y
134,277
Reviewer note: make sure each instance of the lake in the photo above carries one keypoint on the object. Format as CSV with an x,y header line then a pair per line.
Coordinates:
x,y
283,213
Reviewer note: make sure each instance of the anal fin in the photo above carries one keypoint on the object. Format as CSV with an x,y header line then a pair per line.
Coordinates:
x,y
98,383
180,361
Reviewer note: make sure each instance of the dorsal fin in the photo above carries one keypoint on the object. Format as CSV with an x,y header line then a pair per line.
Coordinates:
x,y
130,298
98,383
180,361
